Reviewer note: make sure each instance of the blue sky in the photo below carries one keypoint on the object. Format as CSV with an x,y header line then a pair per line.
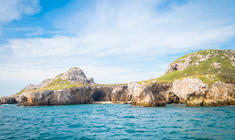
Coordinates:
x,y
113,41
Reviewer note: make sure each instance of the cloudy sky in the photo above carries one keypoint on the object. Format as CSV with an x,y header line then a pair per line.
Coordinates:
x,y
114,41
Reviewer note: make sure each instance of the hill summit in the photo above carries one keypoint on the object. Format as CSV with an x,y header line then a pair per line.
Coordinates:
x,y
77,75
207,65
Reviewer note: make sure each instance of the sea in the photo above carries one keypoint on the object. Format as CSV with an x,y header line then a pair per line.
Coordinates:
x,y
116,121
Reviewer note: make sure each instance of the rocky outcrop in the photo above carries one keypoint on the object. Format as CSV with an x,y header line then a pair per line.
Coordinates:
x,y
90,80
8,100
180,65
57,97
183,88
75,74
219,94
153,95
141,95
216,65
193,92
120,94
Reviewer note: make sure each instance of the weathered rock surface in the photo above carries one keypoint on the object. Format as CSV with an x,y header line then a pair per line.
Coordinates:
x,y
77,75
219,94
194,93
57,97
141,95
8,100
183,88
153,95
181,65
120,94
90,80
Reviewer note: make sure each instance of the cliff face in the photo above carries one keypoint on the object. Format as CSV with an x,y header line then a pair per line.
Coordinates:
x,y
8,100
57,97
183,88
219,94
136,94
151,95
194,92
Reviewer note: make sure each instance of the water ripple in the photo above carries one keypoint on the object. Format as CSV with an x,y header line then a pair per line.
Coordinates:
x,y
116,121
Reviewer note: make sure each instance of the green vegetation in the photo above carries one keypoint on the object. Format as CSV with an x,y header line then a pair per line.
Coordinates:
x,y
60,84
18,93
204,70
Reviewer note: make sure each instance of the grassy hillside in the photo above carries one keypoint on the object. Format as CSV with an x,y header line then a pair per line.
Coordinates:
x,y
200,65
57,84
60,84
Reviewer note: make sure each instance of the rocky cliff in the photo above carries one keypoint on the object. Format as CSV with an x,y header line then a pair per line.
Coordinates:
x,y
194,92
204,78
73,87
8,100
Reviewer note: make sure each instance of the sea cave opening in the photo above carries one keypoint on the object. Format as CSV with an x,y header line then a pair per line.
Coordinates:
x,y
99,95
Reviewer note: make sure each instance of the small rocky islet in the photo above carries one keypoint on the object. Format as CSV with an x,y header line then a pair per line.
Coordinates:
x,y
203,78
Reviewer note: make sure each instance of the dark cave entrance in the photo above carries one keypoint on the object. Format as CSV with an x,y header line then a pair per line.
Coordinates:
x,y
99,95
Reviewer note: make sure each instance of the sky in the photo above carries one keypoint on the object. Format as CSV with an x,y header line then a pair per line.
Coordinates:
x,y
114,41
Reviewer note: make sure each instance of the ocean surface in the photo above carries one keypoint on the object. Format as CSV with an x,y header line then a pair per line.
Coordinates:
x,y
116,121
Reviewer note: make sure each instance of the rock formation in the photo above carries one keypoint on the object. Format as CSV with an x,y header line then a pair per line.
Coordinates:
x,y
57,97
141,95
8,100
181,65
151,95
194,93
219,94
75,74
183,88
204,78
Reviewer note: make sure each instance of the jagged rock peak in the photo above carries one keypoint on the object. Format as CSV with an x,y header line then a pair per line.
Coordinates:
x,y
76,74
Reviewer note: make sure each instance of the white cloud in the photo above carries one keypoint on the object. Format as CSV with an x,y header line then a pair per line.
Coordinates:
x,y
134,29
14,9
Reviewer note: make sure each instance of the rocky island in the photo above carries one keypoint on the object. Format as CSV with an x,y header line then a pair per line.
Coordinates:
x,y
203,78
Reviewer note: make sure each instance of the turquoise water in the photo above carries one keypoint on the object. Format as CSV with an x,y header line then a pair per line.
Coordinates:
x,y
116,121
